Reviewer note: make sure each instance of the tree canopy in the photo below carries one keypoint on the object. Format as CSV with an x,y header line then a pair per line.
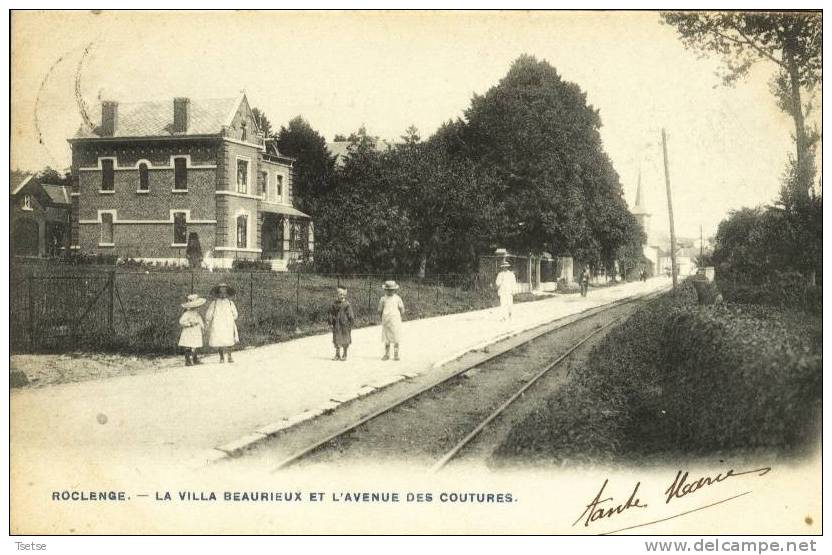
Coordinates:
x,y
524,169
314,165
792,41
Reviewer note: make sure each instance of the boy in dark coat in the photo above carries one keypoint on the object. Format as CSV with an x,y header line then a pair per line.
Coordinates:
x,y
341,318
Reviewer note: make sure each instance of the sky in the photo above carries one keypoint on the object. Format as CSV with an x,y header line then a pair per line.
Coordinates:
x,y
727,147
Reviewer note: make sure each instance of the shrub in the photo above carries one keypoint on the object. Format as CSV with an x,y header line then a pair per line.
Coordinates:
x,y
84,259
683,378
779,289
249,265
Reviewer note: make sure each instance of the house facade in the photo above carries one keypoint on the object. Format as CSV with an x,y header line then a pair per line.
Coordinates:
x,y
39,214
151,174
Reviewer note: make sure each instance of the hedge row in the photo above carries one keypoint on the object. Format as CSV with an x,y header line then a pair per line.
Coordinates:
x,y
683,379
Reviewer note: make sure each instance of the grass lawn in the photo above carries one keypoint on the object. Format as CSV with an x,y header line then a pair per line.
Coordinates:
x,y
72,304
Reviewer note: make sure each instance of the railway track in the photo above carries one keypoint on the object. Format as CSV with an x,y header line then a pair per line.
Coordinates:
x,y
332,437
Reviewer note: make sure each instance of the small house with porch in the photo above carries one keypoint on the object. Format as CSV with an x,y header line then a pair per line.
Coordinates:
x,y
39,216
149,175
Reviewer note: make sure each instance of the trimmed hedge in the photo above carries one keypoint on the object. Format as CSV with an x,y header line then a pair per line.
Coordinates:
x,y
683,379
780,289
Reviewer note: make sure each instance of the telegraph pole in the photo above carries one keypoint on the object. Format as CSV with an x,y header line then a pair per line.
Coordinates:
x,y
669,210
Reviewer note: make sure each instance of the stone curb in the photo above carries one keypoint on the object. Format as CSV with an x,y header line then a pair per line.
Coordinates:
x,y
238,446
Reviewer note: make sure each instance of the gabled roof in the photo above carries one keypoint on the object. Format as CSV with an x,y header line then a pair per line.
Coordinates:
x,y
18,180
155,119
58,194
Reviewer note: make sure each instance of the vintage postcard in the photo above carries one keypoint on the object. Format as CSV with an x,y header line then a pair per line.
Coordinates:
x,y
416,272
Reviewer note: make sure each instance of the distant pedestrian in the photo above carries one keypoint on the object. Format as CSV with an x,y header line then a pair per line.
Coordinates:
x,y
506,283
341,318
585,275
643,275
390,310
221,316
193,252
192,327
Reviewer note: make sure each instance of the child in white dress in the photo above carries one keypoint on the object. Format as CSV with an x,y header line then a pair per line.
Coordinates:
x,y
192,326
221,316
390,310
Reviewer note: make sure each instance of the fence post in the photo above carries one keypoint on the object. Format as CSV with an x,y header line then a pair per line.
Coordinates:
x,y
251,295
111,299
30,282
297,300
370,299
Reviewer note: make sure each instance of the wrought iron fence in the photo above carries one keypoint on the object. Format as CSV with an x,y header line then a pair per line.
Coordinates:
x,y
55,307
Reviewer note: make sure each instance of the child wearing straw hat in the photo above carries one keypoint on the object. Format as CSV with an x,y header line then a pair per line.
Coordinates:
x,y
221,316
390,310
192,326
341,318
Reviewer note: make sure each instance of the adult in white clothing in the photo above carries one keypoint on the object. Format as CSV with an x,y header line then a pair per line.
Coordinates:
x,y
506,283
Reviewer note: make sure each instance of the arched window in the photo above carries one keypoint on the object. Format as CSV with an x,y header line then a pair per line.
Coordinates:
x,y
144,177
242,232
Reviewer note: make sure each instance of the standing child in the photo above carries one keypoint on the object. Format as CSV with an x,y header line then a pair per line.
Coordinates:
x,y
192,326
222,316
391,309
341,318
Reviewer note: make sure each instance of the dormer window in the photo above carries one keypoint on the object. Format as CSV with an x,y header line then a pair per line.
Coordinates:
x,y
280,188
243,131
27,202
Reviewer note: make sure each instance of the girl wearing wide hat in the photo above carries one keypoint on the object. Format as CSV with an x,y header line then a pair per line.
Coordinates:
x,y
192,327
221,317
391,309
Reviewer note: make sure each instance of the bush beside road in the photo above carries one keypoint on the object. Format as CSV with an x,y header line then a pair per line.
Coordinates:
x,y
677,378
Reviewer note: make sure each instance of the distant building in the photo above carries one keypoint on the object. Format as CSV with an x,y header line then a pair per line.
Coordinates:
x,y
39,216
340,149
152,173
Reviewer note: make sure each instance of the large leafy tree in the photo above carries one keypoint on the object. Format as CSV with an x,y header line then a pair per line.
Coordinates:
x,y
792,41
314,166
537,135
360,225
446,202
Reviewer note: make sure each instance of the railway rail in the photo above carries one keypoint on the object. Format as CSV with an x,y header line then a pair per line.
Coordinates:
x,y
459,446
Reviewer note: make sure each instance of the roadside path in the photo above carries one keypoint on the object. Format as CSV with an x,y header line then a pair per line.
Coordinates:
x,y
180,416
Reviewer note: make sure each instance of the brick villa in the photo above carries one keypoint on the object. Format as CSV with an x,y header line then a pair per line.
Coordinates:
x,y
152,173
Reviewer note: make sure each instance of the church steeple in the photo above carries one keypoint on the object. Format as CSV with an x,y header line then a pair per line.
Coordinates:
x,y
639,209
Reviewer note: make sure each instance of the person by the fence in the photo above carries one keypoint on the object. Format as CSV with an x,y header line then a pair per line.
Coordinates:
x,y
193,252
390,310
506,283
222,316
190,338
585,275
341,318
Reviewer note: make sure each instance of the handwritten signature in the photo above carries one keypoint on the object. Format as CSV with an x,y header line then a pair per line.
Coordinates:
x,y
604,508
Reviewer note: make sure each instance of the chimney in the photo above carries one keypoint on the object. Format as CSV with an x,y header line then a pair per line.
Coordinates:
x,y
181,114
109,118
